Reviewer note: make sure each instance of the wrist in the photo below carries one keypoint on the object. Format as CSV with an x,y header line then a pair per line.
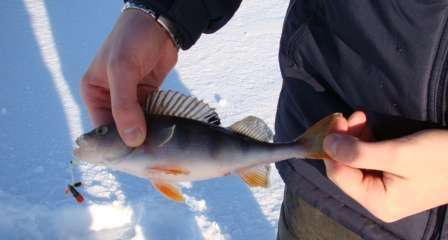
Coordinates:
x,y
163,22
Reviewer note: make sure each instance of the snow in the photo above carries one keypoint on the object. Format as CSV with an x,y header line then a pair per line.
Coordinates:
x,y
45,47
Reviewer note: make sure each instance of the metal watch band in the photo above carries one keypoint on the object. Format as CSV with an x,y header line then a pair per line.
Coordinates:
x,y
164,22
170,29
138,6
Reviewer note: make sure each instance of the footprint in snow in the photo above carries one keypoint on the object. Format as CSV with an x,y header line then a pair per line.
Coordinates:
x,y
221,102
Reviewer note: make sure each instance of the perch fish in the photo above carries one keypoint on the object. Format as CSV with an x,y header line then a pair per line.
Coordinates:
x,y
186,143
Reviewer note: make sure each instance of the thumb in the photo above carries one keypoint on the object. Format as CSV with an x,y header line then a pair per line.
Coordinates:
x,y
126,110
358,154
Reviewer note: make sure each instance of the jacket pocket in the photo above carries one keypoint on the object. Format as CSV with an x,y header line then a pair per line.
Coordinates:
x,y
300,57
296,39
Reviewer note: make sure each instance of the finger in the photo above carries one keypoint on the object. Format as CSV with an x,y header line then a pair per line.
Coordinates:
x,y
342,175
96,98
340,126
367,190
100,115
358,126
126,110
356,123
347,178
146,86
358,154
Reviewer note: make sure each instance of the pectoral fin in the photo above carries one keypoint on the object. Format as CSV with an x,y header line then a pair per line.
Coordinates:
x,y
168,190
162,136
171,170
257,176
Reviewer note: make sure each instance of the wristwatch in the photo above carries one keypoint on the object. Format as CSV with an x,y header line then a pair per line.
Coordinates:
x,y
166,24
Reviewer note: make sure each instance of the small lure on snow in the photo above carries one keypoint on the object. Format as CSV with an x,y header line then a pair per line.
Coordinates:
x,y
186,143
71,189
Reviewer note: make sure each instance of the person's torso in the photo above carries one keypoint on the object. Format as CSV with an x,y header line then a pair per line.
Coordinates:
x,y
385,56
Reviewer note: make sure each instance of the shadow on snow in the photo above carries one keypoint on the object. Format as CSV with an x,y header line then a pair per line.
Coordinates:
x,y
36,146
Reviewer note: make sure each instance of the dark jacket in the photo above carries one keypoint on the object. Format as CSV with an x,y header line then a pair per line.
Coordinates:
x,y
387,56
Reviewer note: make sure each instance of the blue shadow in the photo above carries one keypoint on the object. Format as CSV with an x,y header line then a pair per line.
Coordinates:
x,y
233,207
35,144
79,31
173,82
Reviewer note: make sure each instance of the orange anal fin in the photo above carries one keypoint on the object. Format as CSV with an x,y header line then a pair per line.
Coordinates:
x,y
170,170
257,176
168,190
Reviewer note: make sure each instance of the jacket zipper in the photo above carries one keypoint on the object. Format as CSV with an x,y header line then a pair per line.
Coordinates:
x,y
439,87
441,92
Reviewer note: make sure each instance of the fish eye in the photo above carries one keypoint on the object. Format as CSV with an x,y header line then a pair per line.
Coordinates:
x,y
101,130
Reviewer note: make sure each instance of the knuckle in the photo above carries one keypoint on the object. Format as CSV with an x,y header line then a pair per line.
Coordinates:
x,y
87,89
88,78
121,61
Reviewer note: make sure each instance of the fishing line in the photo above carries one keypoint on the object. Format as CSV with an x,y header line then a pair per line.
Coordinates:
x,y
73,185
47,194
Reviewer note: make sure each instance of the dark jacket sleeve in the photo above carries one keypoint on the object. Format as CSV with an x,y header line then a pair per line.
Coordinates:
x,y
194,17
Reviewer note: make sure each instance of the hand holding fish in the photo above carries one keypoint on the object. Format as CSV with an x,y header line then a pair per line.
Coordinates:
x,y
393,179
133,60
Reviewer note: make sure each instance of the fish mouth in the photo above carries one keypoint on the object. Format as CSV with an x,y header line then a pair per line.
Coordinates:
x,y
77,150
80,147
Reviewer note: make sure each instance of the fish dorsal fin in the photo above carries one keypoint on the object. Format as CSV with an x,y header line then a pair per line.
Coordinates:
x,y
253,127
168,190
257,176
175,104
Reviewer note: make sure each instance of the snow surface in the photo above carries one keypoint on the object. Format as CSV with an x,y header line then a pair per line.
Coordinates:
x,y
45,48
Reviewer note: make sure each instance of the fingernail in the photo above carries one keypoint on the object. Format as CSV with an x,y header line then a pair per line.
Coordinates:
x,y
331,144
133,136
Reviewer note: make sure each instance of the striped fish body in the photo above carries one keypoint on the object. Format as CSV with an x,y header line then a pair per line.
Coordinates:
x,y
199,151
186,143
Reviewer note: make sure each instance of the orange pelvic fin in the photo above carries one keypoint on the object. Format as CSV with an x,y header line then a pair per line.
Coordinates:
x,y
170,170
257,176
168,190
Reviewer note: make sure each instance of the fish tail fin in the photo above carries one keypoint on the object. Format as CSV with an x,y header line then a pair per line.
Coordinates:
x,y
312,140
